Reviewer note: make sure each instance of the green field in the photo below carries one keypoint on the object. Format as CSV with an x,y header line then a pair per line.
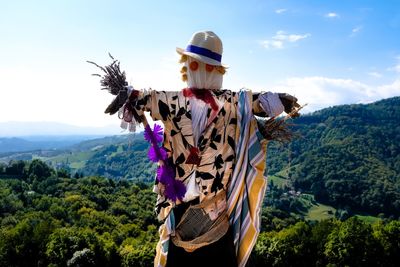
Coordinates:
x,y
370,219
278,181
320,212
75,161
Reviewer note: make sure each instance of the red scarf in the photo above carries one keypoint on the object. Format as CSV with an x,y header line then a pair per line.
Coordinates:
x,y
206,96
202,94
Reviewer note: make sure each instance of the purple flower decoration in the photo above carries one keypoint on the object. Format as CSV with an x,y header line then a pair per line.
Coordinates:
x,y
154,136
166,174
174,189
156,153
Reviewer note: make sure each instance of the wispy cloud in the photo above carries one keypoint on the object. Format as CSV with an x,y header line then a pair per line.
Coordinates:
x,y
332,15
396,68
272,44
321,92
375,74
281,38
356,30
280,11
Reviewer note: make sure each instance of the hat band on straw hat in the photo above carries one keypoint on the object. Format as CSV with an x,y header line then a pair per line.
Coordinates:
x,y
204,52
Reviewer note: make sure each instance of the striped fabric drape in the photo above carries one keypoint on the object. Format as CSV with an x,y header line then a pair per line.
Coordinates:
x,y
247,188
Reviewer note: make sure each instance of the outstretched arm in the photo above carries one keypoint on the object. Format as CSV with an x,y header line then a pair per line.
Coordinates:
x,y
130,103
268,104
290,103
140,101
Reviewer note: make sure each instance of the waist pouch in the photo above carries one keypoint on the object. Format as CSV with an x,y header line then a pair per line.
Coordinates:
x,y
197,228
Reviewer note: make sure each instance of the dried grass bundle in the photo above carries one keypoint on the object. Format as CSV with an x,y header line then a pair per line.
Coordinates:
x,y
278,129
114,80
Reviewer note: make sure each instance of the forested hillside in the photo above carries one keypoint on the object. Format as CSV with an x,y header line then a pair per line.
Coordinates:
x,y
48,218
125,159
346,156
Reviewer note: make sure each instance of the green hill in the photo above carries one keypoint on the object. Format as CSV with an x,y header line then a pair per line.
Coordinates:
x,y
114,157
347,156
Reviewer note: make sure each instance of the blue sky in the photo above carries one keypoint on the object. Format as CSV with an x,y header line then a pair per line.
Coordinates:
x,y
324,52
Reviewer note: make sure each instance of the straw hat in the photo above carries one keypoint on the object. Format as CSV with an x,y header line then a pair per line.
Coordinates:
x,y
204,46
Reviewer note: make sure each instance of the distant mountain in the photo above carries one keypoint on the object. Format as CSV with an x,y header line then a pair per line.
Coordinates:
x,y
28,136
31,143
19,129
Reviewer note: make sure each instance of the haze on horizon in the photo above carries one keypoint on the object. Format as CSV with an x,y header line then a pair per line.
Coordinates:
x,y
325,53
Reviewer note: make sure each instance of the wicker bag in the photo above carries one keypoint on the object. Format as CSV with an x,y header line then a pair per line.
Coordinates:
x,y
197,228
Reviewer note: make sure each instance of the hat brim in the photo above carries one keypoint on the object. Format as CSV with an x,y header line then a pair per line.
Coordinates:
x,y
200,58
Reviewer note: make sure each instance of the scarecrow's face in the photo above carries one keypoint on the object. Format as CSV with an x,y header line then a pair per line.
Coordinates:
x,y
201,75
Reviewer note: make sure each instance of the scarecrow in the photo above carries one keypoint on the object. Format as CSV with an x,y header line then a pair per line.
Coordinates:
x,y
211,155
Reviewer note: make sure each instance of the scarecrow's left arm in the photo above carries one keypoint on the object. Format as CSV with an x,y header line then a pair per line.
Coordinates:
x,y
268,104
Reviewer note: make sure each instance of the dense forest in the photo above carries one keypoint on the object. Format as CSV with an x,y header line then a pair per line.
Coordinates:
x,y
49,218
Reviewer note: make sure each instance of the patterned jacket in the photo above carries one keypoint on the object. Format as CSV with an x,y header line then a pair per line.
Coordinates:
x,y
216,144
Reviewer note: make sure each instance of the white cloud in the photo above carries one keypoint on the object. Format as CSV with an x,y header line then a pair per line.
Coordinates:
x,y
272,44
375,74
321,92
280,38
280,11
390,90
332,15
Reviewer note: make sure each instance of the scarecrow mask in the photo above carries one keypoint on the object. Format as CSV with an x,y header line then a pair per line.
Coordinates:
x,y
202,61
201,75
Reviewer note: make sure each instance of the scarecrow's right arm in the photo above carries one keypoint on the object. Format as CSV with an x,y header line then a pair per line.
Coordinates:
x,y
132,102
129,102
132,105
